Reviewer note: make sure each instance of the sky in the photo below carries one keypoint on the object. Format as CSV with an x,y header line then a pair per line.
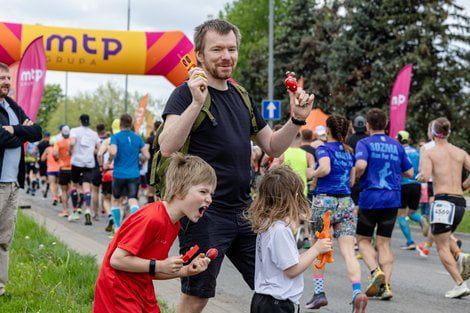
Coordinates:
x,y
146,15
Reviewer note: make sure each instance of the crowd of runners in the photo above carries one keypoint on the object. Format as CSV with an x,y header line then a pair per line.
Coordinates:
x,y
352,171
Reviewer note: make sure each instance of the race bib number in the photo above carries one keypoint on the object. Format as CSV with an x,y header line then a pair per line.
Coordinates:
x,y
442,212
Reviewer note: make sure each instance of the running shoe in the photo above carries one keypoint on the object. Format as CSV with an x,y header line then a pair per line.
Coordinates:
x,y
96,217
423,251
376,280
458,291
64,214
385,293
88,219
424,223
79,211
463,262
317,301
54,203
74,217
109,226
359,256
359,303
410,246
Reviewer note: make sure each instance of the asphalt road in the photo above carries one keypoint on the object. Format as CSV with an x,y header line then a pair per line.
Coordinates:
x,y
418,284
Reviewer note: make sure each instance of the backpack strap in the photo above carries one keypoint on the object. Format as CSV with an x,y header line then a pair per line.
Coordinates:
x,y
247,101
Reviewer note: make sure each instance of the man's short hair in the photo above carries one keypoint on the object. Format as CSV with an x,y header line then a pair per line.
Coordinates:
x,y
307,134
125,121
377,119
4,67
184,172
219,26
440,128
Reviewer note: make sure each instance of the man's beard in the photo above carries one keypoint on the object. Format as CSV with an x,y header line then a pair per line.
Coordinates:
x,y
2,92
213,71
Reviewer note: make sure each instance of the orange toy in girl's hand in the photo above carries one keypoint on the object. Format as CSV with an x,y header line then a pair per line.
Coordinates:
x,y
325,233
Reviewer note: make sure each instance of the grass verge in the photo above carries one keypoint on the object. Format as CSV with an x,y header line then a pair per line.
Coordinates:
x,y
45,275
464,226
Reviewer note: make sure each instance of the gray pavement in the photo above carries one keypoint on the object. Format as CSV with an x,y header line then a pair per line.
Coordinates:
x,y
418,284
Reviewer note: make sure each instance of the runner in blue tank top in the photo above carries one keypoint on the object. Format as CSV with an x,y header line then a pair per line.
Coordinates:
x,y
335,172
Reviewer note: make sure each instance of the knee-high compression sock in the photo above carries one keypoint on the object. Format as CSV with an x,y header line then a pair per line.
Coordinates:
x,y
134,208
318,285
405,228
87,199
116,213
416,216
74,197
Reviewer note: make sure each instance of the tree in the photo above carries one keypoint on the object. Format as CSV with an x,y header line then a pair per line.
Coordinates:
x,y
379,37
49,103
103,105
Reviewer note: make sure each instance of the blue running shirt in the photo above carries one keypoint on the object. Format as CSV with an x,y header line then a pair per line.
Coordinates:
x,y
413,155
341,163
386,160
126,162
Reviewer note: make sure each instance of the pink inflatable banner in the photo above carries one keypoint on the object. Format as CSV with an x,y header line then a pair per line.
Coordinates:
x,y
31,78
399,100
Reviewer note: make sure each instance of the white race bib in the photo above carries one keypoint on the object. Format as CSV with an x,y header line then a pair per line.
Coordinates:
x,y
442,212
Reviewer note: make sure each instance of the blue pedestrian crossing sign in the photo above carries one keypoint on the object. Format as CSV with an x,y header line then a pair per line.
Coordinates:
x,y
271,109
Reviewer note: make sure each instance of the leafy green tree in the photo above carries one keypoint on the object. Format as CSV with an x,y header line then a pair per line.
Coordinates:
x,y
252,18
103,105
379,37
50,101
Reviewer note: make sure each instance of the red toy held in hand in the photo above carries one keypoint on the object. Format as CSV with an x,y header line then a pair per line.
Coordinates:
x,y
190,253
290,82
212,253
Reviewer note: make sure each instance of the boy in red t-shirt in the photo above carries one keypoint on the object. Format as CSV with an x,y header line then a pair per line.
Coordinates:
x,y
138,252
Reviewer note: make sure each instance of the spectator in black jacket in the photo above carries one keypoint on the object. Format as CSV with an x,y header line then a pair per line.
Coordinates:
x,y
15,129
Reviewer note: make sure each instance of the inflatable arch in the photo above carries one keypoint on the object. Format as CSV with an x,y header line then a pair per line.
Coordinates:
x,y
101,51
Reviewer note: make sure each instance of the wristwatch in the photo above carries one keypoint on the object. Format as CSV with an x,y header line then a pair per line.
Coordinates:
x,y
297,122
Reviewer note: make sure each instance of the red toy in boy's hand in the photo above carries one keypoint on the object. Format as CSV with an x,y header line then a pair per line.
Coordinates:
x,y
290,82
212,253
191,252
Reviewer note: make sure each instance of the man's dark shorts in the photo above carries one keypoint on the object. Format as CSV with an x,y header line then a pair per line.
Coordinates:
x,y
369,218
96,177
81,174
460,205
229,232
261,303
65,177
125,187
107,188
410,195
42,168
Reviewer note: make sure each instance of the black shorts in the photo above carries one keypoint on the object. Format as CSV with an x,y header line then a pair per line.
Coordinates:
x,y
355,191
410,195
42,168
228,231
65,177
96,177
127,187
261,303
460,205
384,219
430,189
81,174
107,188
31,167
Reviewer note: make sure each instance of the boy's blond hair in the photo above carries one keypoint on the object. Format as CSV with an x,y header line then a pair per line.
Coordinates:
x,y
280,197
184,172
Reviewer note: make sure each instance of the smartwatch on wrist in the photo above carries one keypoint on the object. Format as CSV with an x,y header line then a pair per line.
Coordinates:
x,y
297,122
152,266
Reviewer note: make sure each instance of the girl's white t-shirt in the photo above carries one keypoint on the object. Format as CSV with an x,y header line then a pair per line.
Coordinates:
x,y
276,251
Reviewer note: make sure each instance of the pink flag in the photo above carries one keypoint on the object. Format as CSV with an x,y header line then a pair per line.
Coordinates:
x,y
399,100
31,78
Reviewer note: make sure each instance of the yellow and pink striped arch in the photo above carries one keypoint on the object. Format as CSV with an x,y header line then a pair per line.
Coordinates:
x,y
101,51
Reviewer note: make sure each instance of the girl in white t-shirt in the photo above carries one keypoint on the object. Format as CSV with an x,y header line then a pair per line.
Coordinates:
x,y
276,212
